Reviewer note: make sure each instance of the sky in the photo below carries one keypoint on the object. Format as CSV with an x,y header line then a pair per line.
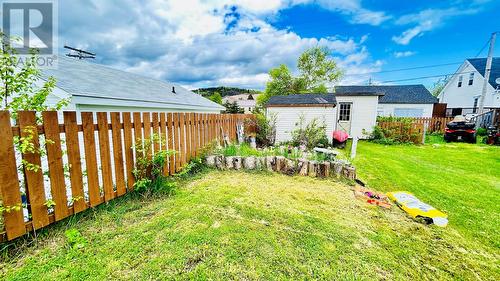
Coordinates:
x,y
204,43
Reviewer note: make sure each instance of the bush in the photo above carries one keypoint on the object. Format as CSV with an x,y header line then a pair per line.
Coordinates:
x,y
481,132
265,127
148,172
400,133
312,135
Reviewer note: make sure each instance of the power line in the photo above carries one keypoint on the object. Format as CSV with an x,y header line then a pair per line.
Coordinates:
x,y
425,77
404,69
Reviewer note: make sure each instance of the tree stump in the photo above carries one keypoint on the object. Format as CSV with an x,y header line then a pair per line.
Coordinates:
x,y
271,163
237,162
210,161
220,162
337,168
303,167
349,172
313,168
260,164
280,164
324,169
291,167
249,163
229,163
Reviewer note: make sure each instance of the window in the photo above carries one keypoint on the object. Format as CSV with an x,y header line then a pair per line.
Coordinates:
x,y
474,109
471,78
408,112
345,112
460,78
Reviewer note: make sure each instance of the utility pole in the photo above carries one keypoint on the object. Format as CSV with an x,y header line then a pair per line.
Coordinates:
x,y
487,72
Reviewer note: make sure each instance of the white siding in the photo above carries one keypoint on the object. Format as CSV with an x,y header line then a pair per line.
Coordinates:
x,y
391,109
463,97
363,116
288,117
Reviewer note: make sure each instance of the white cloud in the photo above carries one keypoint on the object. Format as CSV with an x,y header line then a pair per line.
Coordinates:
x,y
427,20
404,54
188,41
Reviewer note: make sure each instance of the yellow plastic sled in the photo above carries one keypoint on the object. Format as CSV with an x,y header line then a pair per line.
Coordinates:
x,y
418,209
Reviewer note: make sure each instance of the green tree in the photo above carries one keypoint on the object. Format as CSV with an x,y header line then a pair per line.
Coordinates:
x,y
233,107
216,97
438,86
18,81
316,71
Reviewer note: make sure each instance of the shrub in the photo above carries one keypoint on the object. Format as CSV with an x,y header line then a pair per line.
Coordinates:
x,y
399,133
148,172
75,239
265,128
310,135
481,132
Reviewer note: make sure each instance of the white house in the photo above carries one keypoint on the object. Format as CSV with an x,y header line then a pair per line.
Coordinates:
x,y
397,100
245,101
94,87
354,114
463,90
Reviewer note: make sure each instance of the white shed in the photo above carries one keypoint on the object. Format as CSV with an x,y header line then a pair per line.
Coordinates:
x,y
397,100
354,113
94,87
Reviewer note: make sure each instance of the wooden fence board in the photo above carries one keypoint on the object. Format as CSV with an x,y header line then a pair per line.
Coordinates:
x,y
137,131
189,144
35,191
118,153
74,161
55,161
156,131
146,119
9,184
91,158
183,140
194,135
177,138
104,152
129,151
171,137
163,135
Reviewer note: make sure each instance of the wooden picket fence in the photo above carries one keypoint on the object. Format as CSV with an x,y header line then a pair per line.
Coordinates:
x,y
434,124
99,155
413,132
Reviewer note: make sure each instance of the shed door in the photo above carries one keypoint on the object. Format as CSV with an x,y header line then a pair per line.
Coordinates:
x,y
344,117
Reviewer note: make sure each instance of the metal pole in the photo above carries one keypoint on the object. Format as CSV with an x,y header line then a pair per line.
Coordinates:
x,y
487,72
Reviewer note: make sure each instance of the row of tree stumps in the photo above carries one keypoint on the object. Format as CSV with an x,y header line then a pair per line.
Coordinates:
x,y
303,167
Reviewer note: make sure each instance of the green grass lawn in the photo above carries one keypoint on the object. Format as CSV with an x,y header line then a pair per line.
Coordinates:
x,y
237,225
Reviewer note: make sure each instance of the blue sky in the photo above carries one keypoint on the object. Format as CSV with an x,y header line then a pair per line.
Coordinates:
x,y
201,43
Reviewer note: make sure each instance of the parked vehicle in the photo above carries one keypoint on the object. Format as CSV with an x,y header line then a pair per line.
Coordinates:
x,y
493,136
460,129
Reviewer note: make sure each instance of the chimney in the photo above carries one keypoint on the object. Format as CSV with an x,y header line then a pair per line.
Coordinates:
x,y
173,90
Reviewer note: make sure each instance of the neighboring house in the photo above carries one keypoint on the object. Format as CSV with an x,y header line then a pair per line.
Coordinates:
x,y
463,90
397,100
354,113
245,101
94,87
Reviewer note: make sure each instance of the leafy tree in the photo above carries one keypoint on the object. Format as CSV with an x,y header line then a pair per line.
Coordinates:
x,y
316,71
438,87
233,107
216,97
18,81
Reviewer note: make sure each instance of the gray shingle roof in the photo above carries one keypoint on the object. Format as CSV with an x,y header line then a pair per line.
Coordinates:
x,y
303,99
87,79
480,65
392,93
